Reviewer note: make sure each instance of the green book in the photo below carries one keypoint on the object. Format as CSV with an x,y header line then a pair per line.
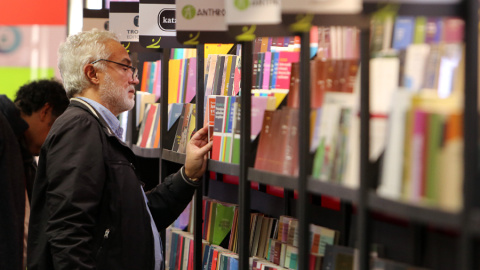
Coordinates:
x,y
222,225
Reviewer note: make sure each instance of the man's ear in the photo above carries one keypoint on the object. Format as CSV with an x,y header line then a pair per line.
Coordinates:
x,y
91,73
45,113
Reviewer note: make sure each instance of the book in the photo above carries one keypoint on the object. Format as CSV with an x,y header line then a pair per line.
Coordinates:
x,y
178,132
259,105
154,137
236,130
338,257
418,145
228,136
391,170
141,99
147,124
261,159
433,30
222,227
218,127
173,76
415,62
191,87
189,109
174,112
285,60
403,32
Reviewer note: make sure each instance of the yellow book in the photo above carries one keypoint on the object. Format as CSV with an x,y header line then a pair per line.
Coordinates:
x,y
173,78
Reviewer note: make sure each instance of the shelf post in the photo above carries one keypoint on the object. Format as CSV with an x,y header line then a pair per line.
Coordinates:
x,y
364,227
303,151
163,108
198,197
471,183
245,156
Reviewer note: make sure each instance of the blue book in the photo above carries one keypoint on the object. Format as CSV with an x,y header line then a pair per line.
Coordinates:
x,y
206,253
403,32
174,112
274,68
233,263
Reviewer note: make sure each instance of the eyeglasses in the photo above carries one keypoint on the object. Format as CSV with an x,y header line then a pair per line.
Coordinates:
x,y
134,69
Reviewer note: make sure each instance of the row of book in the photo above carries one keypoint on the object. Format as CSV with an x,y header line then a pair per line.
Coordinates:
x,y
182,80
179,256
150,78
423,156
326,75
186,126
335,42
276,44
222,74
223,117
278,143
272,70
272,240
149,134
390,31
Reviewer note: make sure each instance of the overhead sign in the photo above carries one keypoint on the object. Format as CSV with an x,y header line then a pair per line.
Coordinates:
x,y
158,24
322,6
243,12
205,15
124,20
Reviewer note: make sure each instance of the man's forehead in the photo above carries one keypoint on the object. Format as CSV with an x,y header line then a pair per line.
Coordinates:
x,y
119,52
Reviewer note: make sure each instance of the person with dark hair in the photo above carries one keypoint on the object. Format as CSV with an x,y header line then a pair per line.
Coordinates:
x,y
24,125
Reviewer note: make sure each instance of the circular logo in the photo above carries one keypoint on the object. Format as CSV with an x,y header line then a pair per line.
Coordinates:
x,y
188,12
135,21
242,4
10,39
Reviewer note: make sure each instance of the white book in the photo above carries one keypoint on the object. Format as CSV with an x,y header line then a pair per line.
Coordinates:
x,y
391,172
415,61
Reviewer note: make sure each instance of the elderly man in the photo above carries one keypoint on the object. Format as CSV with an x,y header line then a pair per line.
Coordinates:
x,y
89,210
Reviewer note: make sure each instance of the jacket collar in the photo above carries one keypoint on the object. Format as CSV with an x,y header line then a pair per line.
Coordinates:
x,y
83,104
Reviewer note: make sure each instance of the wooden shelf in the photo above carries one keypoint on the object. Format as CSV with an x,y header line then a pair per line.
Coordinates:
x,y
275,179
318,187
173,156
223,167
146,152
419,213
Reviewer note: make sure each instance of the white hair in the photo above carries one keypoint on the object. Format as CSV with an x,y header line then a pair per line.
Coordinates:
x,y
79,50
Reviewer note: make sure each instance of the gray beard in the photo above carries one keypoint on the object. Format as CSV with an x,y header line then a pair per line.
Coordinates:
x,y
113,97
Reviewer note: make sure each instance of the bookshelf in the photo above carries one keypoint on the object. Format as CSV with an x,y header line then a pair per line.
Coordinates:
x,y
357,228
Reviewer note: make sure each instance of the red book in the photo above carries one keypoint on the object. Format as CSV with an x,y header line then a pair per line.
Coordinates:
x,y
218,126
190,255
151,108
265,136
293,99
285,60
179,251
214,259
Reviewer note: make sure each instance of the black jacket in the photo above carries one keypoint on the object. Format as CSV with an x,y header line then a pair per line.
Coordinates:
x,y
88,211
17,172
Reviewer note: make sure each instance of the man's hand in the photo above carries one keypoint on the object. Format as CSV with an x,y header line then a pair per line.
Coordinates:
x,y
197,149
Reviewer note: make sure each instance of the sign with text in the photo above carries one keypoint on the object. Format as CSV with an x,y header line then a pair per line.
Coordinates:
x,y
205,15
243,12
158,24
322,6
124,20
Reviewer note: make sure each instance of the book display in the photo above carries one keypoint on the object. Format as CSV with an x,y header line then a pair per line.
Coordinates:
x,y
343,137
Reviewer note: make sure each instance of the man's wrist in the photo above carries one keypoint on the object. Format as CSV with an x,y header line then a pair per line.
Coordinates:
x,y
185,177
